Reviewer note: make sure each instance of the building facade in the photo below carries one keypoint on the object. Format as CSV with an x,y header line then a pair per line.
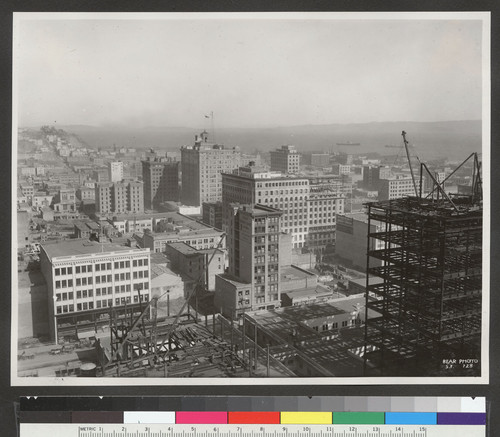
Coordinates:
x,y
199,239
86,279
396,187
326,200
252,185
309,203
198,265
202,165
285,159
351,238
119,197
115,171
253,241
212,214
161,181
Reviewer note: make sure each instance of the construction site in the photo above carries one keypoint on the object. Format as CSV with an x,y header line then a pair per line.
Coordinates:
x,y
428,305
141,344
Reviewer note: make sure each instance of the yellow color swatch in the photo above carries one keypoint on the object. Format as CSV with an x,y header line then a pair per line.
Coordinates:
x,y
306,417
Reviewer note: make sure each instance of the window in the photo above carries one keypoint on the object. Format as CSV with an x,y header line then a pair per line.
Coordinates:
x,y
58,272
58,284
78,306
70,270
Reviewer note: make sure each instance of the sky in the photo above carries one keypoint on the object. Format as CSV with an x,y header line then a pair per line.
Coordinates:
x,y
250,72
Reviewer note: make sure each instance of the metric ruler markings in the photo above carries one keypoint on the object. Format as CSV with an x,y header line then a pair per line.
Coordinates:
x,y
166,430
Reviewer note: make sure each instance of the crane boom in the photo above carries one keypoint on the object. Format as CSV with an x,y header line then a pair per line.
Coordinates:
x,y
409,163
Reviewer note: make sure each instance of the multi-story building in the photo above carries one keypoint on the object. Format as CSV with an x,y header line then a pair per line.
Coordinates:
x,y
341,169
199,238
253,277
65,201
28,191
309,203
86,279
202,165
119,197
200,266
351,237
396,187
115,171
41,199
252,185
320,159
86,193
212,214
100,174
326,200
128,223
161,180
285,160
372,176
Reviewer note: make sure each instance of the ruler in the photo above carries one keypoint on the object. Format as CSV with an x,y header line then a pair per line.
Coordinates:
x,y
174,430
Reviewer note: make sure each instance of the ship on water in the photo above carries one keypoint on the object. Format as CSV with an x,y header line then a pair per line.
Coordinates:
x,y
348,143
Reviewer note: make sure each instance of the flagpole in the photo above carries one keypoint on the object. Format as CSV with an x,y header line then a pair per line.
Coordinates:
x,y
213,129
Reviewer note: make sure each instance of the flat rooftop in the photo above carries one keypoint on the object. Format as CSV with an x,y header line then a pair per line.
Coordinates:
x,y
362,281
186,232
233,280
82,247
188,250
292,273
319,290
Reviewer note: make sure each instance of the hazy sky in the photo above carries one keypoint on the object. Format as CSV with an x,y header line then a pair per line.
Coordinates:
x,y
249,72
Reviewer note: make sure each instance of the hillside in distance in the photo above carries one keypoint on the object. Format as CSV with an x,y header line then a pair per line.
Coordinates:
x,y
452,139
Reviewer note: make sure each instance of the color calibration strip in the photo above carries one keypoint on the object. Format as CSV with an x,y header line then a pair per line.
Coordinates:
x,y
252,410
260,417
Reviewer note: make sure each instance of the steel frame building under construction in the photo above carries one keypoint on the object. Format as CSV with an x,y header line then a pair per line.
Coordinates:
x,y
429,304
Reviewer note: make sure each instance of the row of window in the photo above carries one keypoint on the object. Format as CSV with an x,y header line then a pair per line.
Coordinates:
x,y
61,271
101,279
85,306
282,184
82,294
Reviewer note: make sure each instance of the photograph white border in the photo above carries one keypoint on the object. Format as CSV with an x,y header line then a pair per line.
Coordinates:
x,y
299,381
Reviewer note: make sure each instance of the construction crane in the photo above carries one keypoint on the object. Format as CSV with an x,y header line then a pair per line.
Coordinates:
x,y
409,162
